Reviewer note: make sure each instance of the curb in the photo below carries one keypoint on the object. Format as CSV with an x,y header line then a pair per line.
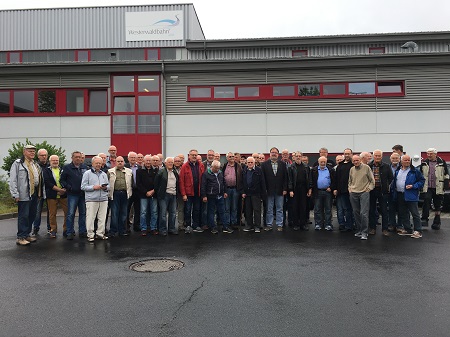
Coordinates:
x,y
8,216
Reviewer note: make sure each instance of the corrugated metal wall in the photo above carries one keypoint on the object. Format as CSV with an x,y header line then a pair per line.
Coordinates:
x,y
91,80
79,28
313,51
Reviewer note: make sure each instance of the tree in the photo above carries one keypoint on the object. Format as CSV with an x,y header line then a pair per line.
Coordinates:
x,y
16,151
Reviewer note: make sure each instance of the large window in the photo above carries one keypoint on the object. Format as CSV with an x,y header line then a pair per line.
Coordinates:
x,y
47,101
14,57
296,91
4,101
82,55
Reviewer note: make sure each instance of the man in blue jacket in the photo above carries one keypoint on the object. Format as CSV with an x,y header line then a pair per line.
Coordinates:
x,y
406,186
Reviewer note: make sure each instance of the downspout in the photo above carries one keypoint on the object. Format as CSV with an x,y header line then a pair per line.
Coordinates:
x,y
163,107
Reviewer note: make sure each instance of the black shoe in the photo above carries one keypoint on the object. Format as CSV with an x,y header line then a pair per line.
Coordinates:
x,y
436,222
137,229
35,231
296,228
305,228
342,228
70,236
175,232
83,235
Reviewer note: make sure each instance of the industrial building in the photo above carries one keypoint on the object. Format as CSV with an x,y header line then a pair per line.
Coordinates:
x,y
144,78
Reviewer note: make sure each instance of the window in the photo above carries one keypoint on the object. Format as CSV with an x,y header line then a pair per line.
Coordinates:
x,y
284,90
24,101
148,83
148,103
4,102
123,83
152,54
367,88
124,124
299,53
333,89
14,57
224,92
390,87
200,93
98,101
75,100
47,101
149,124
248,92
376,50
309,89
82,55
124,104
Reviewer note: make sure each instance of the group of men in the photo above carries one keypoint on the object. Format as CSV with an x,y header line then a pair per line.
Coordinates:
x,y
196,196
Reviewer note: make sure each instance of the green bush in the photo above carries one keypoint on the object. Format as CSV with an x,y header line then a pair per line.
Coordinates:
x,y
7,204
16,151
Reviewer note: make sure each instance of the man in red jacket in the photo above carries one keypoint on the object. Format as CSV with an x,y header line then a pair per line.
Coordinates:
x,y
190,180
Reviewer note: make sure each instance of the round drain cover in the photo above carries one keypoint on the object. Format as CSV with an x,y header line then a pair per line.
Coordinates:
x,y
156,265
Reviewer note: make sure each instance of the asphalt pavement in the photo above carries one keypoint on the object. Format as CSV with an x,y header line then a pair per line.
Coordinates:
x,y
287,283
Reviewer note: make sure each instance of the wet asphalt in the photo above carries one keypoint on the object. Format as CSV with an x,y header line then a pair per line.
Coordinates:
x,y
241,284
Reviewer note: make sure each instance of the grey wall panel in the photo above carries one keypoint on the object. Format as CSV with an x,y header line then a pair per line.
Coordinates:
x,y
92,80
78,28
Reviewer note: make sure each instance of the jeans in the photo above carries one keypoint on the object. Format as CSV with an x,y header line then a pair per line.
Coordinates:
x,y
168,204
118,213
37,220
276,201
74,202
377,195
192,211
149,205
437,201
323,203
231,206
344,211
180,211
215,204
361,204
26,215
406,207
135,203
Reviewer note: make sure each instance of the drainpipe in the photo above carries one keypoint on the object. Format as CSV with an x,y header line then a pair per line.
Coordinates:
x,y
163,107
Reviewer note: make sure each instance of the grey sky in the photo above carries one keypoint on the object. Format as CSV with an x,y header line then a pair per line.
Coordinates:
x,y
250,19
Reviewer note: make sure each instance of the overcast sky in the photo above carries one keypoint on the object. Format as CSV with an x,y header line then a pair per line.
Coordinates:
x,y
249,19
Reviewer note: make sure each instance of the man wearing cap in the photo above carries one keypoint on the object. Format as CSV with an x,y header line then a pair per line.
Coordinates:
x,y
26,185
434,170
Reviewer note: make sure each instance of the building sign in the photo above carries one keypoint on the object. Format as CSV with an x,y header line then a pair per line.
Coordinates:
x,y
147,26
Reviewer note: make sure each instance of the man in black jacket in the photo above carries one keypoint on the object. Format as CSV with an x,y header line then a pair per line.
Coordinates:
x,y
254,189
145,179
276,179
322,177
344,207
213,192
383,178
299,190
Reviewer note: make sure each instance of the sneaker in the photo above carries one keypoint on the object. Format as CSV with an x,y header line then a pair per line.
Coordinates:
x,y
102,237
247,229
188,230
53,235
257,230
70,236
163,233
279,229
329,228
403,232
268,228
416,235
372,231
143,233
22,242
358,235
214,230
363,236
30,239
227,230
197,230
385,233
317,228
90,239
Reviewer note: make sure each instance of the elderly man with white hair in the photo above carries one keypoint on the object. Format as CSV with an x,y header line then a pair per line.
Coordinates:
x,y
435,171
95,185
166,189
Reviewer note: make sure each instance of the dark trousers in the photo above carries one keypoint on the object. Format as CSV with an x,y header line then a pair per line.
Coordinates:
x,y
192,211
253,211
299,207
135,203
377,195
437,201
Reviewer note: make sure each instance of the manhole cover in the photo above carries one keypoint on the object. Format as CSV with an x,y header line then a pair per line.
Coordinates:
x,y
156,265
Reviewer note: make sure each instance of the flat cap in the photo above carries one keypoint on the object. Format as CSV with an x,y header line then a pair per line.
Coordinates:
x,y
30,147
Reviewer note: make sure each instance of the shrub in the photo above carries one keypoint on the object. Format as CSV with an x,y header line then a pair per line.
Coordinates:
x,y
16,151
